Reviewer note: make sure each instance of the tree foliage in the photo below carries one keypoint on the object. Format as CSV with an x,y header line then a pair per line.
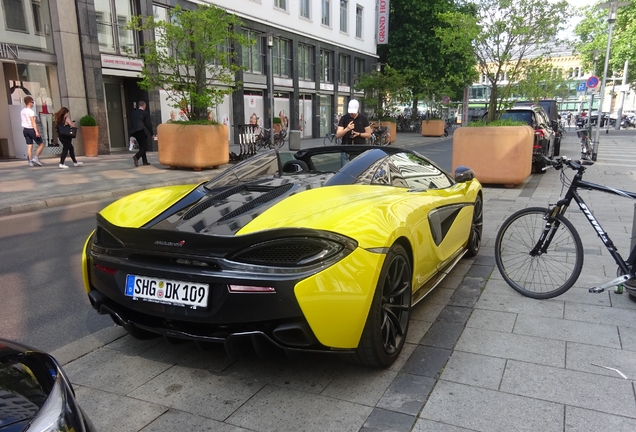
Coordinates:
x,y
512,33
190,57
423,53
592,33
382,90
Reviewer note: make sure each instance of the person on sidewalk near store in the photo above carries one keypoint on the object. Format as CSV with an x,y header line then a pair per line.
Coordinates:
x,y
141,129
30,132
353,127
61,118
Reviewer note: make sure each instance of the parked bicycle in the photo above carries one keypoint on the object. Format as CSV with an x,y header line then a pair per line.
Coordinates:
x,y
586,143
263,142
331,139
380,136
539,252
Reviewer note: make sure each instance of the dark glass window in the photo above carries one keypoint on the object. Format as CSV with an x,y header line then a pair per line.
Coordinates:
x,y
14,15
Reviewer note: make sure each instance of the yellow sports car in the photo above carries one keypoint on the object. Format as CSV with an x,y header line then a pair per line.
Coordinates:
x,y
325,249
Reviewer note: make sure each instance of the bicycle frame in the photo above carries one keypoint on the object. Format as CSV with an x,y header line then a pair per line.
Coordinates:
x,y
562,205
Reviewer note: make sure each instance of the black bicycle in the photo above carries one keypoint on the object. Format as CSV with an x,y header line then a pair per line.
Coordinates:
x,y
539,252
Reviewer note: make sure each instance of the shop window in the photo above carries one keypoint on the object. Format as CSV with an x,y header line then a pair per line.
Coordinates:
x,y
359,21
112,17
326,66
344,69
253,54
343,15
326,12
282,57
14,17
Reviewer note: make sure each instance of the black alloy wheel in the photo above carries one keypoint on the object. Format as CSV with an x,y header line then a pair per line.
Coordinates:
x,y
388,320
474,239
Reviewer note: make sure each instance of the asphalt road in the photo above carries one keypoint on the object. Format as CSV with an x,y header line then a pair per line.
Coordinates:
x,y
42,298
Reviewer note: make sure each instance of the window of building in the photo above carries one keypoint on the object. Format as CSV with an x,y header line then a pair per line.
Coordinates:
x,y
343,15
359,21
326,66
281,57
305,9
36,7
14,17
306,62
344,69
111,17
253,56
358,70
326,12
281,4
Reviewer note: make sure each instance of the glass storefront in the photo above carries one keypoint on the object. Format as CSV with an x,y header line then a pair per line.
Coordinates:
x,y
326,119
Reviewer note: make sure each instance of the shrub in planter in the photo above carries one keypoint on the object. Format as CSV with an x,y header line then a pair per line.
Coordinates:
x,y
90,135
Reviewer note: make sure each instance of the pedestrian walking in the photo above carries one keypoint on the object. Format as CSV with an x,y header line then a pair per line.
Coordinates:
x,y
353,127
141,129
63,123
569,118
31,132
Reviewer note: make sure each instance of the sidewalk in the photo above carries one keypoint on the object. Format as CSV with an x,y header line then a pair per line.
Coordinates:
x,y
479,356
24,188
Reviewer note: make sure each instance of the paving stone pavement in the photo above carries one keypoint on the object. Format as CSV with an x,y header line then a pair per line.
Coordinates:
x,y
479,356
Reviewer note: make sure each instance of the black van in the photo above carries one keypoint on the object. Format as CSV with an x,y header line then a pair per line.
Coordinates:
x,y
551,108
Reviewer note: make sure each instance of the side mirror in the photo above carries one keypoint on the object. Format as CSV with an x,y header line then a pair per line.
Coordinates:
x,y
463,174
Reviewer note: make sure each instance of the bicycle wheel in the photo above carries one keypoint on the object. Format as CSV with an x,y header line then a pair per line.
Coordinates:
x,y
387,139
539,275
327,140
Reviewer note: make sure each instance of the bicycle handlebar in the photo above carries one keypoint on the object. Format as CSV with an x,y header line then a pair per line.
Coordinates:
x,y
564,161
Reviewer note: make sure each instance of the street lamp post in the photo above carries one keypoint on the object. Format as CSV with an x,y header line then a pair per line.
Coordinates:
x,y
613,7
589,111
270,86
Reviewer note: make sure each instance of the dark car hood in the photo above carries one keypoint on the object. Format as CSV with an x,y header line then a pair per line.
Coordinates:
x,y
224,211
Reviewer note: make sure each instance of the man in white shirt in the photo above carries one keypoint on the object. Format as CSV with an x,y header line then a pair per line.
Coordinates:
x,y
30,132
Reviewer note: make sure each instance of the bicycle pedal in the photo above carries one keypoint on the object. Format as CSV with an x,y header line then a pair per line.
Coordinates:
x,y
596,290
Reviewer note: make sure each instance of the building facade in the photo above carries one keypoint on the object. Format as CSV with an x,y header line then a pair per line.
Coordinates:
x,y
77,54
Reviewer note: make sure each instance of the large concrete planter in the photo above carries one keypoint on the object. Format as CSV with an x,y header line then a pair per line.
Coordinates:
x,y
90,136
192,146
497,154
433,128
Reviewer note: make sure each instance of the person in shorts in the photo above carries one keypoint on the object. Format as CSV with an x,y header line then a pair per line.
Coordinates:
x,y
30,132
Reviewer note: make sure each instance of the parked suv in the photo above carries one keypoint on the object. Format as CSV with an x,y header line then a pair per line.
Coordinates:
x,y
544,136
551,109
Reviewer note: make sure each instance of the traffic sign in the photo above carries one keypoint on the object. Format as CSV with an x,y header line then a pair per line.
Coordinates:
x,y
592,81
581,87
445,100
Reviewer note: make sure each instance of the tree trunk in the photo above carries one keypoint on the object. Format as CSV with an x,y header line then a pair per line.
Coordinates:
x,y
492,104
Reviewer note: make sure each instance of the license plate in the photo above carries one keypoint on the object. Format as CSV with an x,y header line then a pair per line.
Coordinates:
x,y
167,291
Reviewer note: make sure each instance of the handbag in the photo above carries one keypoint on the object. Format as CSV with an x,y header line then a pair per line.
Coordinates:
x,y
67,131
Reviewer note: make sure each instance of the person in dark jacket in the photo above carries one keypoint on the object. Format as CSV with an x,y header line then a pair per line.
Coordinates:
x,y
141,129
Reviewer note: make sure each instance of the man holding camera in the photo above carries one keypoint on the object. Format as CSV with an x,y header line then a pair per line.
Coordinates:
x,y
353,127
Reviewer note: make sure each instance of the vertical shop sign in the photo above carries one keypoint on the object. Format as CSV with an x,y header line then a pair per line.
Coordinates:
x,y
383,22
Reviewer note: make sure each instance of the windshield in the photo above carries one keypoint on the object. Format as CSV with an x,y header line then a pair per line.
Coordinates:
x,y
259,165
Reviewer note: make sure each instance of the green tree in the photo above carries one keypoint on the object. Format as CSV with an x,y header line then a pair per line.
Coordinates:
x,y
592,33
382,90
540,80
513,32
419,51
191,57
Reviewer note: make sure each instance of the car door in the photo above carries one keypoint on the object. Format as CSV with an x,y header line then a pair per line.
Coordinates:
x,y
441,217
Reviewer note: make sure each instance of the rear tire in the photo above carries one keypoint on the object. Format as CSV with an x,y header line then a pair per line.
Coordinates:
x,y
388,320
544,275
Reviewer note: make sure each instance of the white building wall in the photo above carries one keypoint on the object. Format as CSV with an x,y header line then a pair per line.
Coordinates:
x,y
264,11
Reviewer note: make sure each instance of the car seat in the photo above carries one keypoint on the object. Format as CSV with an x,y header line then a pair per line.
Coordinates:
x,y
295,166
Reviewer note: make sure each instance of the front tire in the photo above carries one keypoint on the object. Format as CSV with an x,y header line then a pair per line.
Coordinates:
x,y
388,320
542,275
474,239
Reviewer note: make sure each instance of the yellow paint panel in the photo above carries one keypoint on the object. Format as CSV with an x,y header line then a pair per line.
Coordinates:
x,y
336,301
87,285
137,209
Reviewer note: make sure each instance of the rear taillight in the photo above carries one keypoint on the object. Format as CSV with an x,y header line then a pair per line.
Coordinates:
x,y
109,270
539,132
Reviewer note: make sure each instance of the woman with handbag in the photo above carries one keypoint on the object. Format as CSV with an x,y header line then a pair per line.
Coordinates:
x,y
66,131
